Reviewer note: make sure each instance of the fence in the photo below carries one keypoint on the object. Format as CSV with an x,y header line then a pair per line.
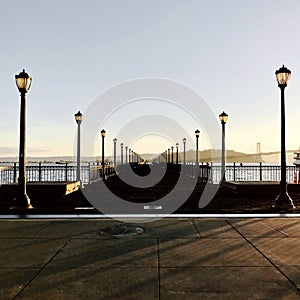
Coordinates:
x,y
54,173
91,173
253,173
243,172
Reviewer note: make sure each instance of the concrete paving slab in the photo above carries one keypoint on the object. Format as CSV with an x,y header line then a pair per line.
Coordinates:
x,y
170,229
73,228
209,252
28,253
96,283
12,281
110,253
282,252
25,228
293,273
255,228
225,283
287,226
212,228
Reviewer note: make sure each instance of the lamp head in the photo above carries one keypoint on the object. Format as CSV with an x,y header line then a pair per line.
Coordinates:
x,y
78,117
283,76
197,133
223,117
103,133
23,81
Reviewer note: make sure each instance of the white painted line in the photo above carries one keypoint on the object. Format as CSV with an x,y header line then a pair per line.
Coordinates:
x,y
98,216
152,207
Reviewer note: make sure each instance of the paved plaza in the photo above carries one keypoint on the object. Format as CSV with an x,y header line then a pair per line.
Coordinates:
x,y
175,258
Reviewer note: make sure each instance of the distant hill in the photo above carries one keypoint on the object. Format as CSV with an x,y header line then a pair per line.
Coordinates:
x,y
204,156
215,156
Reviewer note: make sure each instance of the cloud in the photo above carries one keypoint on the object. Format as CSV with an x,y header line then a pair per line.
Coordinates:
x,y
14,151
8,150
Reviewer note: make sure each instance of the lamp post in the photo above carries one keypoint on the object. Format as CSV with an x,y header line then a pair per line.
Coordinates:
x,y
126,155
122,145
22,201
184,142
177,153
172,160
168,155
197,133
78,119
115,152
103,133
129,157
283,199
223,118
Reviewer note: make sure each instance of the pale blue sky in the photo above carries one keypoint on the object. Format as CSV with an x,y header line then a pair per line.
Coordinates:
x,y
226,51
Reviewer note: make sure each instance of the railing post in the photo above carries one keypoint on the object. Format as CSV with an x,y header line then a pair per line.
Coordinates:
x,y
260,171
89,168
234,171
15,172
40,171
66,172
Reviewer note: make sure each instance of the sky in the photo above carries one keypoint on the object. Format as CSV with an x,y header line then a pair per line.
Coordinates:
x,y
224,51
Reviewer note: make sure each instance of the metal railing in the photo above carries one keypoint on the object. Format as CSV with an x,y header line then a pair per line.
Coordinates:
x,y
243,172
54,173
91,173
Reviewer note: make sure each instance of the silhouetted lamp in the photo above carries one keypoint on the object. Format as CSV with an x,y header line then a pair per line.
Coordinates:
x,y
283,76
197,134
22,201
223,118
78,119
122,146
184,142
103,134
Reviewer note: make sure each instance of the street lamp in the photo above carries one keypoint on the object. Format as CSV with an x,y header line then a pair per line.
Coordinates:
x,y
115,152
122,145
197,133
78,119
177,153
223,118
172,149
283,199
169,156
103,133
126,155
129,157
184,142
23,81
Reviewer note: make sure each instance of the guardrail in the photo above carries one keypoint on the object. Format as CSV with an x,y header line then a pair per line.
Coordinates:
x,y
91,173
243,172
54,173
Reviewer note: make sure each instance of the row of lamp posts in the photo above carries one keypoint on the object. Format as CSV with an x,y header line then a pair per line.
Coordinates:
x,y
223,118
21,201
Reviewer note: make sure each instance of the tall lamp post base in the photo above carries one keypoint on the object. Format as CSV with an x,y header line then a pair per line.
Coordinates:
x,y
283,200
21,202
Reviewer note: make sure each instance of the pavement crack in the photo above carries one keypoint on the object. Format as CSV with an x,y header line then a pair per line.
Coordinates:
x,y
274,228
158,268
41,269
196,229
266,257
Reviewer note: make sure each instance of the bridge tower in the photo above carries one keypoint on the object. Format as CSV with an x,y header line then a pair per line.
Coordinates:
x,y
258,148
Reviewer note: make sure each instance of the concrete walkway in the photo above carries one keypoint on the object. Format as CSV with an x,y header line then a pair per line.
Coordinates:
x,y
197,258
